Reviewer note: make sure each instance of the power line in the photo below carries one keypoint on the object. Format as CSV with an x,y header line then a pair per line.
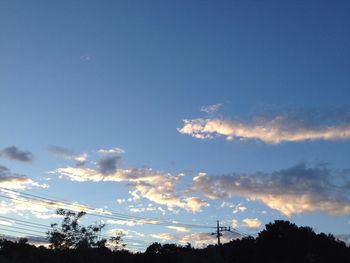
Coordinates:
x,y
110,214
41,226
20,232
115,215
21,222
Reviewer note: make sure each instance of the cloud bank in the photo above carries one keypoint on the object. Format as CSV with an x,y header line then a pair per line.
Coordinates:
x,y
291,191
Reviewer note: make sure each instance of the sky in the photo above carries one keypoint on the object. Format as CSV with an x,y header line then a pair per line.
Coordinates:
x,y
184,112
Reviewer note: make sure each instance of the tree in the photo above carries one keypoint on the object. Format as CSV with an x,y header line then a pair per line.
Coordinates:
x,y
71,235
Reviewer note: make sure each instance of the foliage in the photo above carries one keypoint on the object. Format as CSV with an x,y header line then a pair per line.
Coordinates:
x,y
71,235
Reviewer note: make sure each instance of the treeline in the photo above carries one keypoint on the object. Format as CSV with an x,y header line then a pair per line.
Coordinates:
x,y
280,242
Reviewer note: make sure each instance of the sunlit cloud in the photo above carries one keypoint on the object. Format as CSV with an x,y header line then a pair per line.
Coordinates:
x,y
10,180
155,186
252,223
291,191
272,129
179,228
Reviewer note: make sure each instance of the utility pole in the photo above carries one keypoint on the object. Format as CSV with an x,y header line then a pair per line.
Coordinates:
x,y
219,230
218,233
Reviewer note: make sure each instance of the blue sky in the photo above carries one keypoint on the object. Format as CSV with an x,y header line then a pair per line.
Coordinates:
x,y
84,76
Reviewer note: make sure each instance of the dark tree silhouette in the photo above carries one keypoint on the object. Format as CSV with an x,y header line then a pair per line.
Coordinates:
x,y
281,242
71,235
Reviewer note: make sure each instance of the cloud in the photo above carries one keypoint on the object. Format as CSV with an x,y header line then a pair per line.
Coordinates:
x,y
252,223
155,186
12,180
195,204
273,129
115,150
134,222
211,109
13,153
141,209
179,228
235,208
108,164
291,191
68,154
6,222
120,200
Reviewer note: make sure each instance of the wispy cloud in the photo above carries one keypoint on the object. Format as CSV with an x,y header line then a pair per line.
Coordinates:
x,y
291,191
211,109
14,153
68,154
273,129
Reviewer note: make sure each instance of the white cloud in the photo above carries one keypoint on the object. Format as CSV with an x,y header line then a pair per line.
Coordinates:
x,y
133,222
252,223
234,223
211,109
141,209
291,191
6,223
120,201
115,150
235,208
